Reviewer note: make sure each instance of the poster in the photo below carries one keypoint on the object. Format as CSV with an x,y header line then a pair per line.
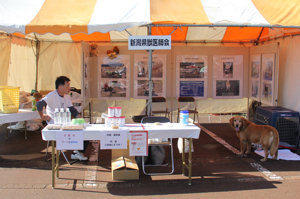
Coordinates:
x,y
113,78
141,75
228,76
192,75
267,83
138,143
255,70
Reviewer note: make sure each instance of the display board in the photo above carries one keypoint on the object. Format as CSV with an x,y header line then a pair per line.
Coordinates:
x,y
228,76
141,75
192,76
268,78
255,76
114,77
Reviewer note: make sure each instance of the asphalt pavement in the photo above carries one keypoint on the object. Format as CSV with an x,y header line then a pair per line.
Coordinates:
x,y
218,172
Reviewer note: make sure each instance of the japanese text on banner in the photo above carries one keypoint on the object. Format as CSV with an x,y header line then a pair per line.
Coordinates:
x,y
69,140
116,139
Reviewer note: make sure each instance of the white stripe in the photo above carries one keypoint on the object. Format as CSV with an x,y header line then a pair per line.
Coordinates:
x,y
90,176
16,14
266,172
232,11
123,35
257,166
119,15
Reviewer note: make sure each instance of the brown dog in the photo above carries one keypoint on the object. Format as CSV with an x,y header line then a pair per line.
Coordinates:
x,y
248,133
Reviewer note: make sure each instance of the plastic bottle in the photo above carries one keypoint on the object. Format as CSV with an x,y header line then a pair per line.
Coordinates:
x,y
68,116
62,116
184,117
56,116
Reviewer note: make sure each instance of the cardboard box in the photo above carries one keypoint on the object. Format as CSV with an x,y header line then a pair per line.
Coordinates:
x,y
116,153
124,169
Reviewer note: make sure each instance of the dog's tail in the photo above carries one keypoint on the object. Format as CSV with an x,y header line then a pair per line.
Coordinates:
x,y
275,142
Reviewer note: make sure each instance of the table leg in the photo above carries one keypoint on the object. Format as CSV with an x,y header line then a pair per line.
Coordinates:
x,y
190,161
25,129
57,164
6,131
183,156
53,164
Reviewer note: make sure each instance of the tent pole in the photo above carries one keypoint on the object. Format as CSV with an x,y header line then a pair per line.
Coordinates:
x,y
150,77
37,56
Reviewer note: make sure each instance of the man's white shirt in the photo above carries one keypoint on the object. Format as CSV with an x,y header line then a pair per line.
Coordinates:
x,y
54,100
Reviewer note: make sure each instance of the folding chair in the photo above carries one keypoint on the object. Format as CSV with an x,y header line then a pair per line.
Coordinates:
x,y
159,100
153,119
189,101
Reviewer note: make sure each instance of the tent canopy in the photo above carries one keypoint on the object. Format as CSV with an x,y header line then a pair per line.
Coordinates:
x,y
187,21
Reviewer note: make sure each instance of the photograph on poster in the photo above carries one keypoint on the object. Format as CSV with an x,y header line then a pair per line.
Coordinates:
x,y
255,69
191,89
254,90
227,69
113,70
267,92
192,69
227,87
113,88
143,88
157,68
268,70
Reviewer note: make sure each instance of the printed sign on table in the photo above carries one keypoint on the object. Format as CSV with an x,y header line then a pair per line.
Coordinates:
x,y
138,143
69,140
113,139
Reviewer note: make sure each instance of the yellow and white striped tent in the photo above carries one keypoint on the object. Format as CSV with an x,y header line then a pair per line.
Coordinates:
x,y
186,20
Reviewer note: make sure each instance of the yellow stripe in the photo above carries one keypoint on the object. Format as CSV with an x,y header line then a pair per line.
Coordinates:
x,y
279,12
178,11
70,16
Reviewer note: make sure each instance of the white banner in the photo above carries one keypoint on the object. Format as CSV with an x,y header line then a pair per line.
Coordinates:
x,y
161,42
69,140
138,143
116,139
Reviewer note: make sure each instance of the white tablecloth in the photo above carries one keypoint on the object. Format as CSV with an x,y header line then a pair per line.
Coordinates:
x,y
174,130
21,115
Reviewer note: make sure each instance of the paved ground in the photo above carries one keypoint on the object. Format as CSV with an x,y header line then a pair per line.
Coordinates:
x,y
217,172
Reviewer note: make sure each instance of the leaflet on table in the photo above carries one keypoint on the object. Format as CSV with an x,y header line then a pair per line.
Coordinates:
x,y
69,140
116,139
138,143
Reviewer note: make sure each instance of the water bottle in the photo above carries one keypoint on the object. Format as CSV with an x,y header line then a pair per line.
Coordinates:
x,y
62,116
68,116
56,116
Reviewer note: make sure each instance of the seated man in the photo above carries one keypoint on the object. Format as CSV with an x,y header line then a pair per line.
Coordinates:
x,y
60,98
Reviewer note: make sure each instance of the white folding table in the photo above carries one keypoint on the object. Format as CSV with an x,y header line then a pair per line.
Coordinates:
x,y
21,115
169,130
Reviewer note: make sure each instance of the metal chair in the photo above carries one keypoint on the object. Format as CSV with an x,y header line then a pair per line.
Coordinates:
x,y
188,100
154,119
166,111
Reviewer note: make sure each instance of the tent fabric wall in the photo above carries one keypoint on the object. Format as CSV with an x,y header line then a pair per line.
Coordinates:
x,y
289,71
5,44
22,65
58,59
